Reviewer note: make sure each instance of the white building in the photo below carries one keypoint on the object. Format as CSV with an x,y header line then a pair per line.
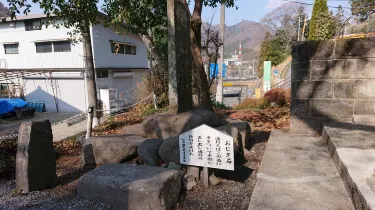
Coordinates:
x,y
28,45
236,59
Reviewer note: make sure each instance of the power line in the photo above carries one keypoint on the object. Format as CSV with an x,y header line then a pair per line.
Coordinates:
x,y
311,4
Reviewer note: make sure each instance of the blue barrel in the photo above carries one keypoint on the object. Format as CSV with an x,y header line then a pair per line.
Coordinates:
x,y
38,105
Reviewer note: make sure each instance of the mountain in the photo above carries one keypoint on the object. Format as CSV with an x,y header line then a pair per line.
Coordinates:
x,y
250,33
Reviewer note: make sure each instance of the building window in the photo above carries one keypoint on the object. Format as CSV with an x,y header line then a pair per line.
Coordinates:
x,y
102,74
43,47
133,50
34,24
11,48
63,46
119,48
130,49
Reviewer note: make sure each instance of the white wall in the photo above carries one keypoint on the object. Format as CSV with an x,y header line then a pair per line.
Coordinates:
x,y
28,58
69,93
103,56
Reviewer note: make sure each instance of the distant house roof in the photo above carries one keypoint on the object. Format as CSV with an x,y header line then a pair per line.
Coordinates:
x,y
36,16
26,17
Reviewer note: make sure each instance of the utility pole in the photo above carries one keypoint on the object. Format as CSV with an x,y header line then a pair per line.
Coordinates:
x,y
90,81
299,27
219,89
303,30
253,68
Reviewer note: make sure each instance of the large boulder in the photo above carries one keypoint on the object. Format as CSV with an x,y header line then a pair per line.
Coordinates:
x,y
110,149
170,150
136,129
240,131
166,125
149,151
131,187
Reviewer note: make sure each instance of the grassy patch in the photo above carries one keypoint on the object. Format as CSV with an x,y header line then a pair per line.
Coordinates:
x,y
252,104
219,105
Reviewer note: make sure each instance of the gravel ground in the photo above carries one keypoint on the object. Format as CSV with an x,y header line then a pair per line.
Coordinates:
x,y
233,193
63,196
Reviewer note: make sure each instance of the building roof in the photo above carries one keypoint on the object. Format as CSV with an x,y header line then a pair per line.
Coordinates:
x,y
26,17
36,16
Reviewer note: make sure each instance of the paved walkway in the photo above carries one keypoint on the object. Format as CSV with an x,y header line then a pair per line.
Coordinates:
x,y
62,131
7,126
297,172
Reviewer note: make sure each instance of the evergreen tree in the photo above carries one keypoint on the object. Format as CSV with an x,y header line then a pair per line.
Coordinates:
x,y
263,53
321,24
3,10
276,50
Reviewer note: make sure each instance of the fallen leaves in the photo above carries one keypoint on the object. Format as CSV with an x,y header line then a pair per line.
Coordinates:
x,y
114,124
264,120
67,147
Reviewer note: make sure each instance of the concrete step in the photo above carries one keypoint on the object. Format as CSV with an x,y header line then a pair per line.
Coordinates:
x,y
297,172
352,148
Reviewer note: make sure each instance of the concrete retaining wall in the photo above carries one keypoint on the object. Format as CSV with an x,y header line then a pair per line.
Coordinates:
x,y
332,80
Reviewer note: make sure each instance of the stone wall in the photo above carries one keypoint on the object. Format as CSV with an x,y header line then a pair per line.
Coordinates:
x,y
332,81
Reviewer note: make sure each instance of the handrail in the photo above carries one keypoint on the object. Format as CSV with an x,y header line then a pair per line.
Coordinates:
x,y
283,82
285,69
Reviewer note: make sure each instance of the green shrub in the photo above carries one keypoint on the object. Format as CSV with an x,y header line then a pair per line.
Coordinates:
x,y
150,110
252,104
219,105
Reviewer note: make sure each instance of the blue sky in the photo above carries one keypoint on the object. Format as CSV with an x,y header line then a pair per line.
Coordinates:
x,y
252,10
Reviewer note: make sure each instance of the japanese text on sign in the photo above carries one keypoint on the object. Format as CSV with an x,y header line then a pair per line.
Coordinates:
x,y
207,147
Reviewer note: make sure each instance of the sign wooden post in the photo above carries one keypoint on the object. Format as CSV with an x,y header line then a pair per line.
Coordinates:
x,y
205,177
207,147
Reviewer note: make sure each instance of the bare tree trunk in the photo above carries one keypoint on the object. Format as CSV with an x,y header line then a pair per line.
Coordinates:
x,y
199,74
155,52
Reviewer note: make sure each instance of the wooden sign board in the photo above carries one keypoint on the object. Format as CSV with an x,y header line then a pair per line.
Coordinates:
x,y
207,147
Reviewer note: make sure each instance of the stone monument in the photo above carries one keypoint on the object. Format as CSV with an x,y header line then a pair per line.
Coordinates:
x,y
36,158
179,57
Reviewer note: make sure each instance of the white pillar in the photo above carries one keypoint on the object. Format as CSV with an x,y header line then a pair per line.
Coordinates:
x,y
219,89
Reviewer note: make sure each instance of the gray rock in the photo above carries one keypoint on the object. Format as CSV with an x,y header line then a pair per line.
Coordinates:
x,y
214,180
131,187
36,157
166,125
193,171
241,132
87,154
189,182
81,139
110,149
169,150
149,151
136,129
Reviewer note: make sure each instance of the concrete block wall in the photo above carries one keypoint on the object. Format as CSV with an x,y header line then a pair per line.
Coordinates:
x,y
332,80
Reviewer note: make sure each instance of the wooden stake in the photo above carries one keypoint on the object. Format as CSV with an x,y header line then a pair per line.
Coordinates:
x,y
205,177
